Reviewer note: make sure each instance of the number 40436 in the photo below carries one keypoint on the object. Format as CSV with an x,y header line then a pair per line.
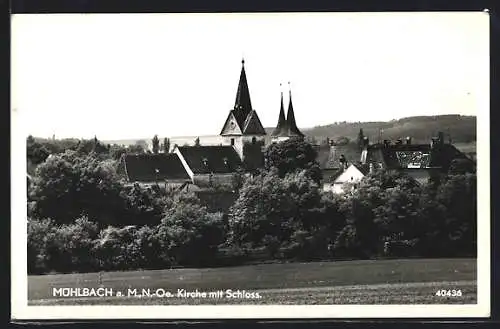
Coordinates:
x,y
449,293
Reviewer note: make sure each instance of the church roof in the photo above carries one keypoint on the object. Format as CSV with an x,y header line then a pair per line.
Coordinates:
x,y
242,104
290,120
210,159
252,125
281,128
151,167
242,119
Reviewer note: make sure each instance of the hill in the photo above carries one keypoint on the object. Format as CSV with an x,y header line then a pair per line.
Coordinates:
x,y
461,129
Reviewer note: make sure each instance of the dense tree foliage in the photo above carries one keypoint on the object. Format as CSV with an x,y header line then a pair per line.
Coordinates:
x,y
189,233
156,144
292,155
82,217
67,186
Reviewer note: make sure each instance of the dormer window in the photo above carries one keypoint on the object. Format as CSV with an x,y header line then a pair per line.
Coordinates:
x,y
205,162
226,162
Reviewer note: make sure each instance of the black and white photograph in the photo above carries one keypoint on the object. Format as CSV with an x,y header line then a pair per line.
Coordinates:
x,y
260,165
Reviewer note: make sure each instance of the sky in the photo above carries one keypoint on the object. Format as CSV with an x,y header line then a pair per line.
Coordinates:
x,y
120,76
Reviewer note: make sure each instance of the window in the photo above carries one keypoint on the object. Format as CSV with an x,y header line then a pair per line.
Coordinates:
x,y
232,141
254,140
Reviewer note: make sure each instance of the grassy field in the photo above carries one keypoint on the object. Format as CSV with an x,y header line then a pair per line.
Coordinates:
x,y
349,282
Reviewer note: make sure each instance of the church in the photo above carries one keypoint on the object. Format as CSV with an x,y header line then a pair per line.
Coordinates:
x,y
241,142
240,145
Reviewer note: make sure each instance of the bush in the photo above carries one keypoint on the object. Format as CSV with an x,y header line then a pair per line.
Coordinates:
x,y
41,234
191,235
61,248
118,249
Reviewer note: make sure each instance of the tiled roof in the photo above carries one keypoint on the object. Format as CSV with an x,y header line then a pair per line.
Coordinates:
x,y
252,125
211,159
328,157
330,174
151,167
414,156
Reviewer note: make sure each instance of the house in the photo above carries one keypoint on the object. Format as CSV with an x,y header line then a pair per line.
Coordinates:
x,y
418,161
213,160
164,169
352,174
208,166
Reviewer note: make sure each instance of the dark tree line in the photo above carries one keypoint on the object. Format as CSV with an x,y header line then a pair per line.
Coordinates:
x,y
82,217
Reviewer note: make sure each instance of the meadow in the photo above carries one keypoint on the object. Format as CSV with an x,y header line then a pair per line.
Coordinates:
x,y
396,281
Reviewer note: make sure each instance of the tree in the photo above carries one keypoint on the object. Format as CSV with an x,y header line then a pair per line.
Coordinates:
x,y
36,152
116,151
139,147
277,207
197,141
117,248
366,227
292,155
166,145
156,144
189,234
69,185
361,138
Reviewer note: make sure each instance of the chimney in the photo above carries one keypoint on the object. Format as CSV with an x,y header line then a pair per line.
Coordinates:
x,y
333,151
343,162
441,138
434,142
408,140
366,142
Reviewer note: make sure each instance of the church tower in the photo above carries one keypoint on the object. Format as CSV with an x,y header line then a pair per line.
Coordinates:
x,y
243,125
286,128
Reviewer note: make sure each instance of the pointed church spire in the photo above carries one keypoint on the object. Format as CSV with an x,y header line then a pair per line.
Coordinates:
x,y
290,118
281,127
242,105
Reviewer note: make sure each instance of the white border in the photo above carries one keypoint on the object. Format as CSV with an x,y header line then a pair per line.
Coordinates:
x,y
19,284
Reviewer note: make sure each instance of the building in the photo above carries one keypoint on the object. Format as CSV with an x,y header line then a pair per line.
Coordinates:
x,y
164,169
286,127
349,176
243,124
418,161
213,160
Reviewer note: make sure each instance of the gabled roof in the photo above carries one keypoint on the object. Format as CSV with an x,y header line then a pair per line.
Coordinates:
x,y
252,125
151,167
330,174
210,159
364,170
231,126
414,156
329,156
242,119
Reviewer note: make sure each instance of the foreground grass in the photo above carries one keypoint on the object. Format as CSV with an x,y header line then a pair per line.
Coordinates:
x,y
350,282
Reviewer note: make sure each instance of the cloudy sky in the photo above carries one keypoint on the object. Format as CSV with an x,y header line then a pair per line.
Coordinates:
x,y
135,75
